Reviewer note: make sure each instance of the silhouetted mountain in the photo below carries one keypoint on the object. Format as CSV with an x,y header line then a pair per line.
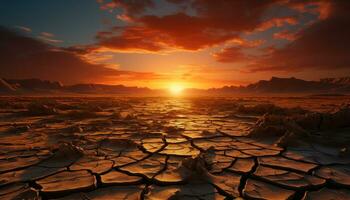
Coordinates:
x,y
288,85
292,85
6,88
342,84
275,86
105,89
35,85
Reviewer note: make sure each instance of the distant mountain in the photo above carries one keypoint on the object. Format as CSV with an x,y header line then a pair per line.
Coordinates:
x,y
34,85
6,88
273,86
287,85
293,85
105,89
342,84
37,86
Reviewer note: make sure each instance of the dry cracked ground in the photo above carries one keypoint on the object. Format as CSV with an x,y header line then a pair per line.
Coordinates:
x,y
163,148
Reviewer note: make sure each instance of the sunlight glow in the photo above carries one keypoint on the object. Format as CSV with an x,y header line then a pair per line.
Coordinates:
x,y
176,88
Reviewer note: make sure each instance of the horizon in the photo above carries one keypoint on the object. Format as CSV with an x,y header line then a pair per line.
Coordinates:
x,y
165,44
167,88
175,99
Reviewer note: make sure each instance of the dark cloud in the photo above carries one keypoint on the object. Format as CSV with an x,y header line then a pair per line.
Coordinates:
x,y
230,55
131,7
133,38
325,44
215,22
25,57
285,35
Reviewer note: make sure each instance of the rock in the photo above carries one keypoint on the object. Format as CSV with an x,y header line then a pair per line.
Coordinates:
x,y
197,166
73,129
180,149
18,129
120,161
259,190
17,162
310,121
152,145
96,165
113,147
64,156
297,130
6,88
66,182
291,180
174,173
242,165
313,155
227,182
118,178
268,126
115,192
28,174
328,194
338,174
19,191
261,152
337,119
287,164
199,134
148,167
261,109
236,154
38,108
186,192
218,143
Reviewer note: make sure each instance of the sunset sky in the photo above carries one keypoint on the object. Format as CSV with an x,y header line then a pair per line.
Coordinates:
x,y
156,43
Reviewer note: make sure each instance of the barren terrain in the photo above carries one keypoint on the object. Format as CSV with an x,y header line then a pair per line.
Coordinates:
x,y
174,148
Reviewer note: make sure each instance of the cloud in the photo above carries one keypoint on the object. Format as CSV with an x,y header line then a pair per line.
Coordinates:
x,y
24,29
215,22
49,40
276,22
132,38
285,35
25,57
319,7
322,45
47,35
230,55
131,7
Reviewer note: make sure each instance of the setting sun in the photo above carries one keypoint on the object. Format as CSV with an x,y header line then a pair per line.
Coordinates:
x,y
176,89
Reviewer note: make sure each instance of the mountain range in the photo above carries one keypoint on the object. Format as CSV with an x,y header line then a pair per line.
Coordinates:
x,y
273,86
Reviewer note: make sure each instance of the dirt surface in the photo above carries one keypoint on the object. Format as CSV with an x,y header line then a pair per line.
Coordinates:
x,y
165,148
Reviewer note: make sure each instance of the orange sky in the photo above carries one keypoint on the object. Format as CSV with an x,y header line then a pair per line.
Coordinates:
x,y
195,43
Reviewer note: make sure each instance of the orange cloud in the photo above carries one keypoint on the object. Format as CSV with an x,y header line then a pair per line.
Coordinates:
x,y
133,38
131,7
276,22
232,54
285,35
25,57
322,8
322,45
216,22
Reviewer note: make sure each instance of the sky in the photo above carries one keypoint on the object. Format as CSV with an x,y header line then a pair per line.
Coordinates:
x,y
158,43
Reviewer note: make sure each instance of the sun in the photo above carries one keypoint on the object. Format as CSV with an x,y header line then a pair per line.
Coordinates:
x,y
176,89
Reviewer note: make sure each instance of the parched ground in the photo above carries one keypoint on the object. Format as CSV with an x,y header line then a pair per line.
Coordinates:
x,y
161,148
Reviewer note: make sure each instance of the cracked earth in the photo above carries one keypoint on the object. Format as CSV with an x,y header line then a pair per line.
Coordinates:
x,y
155,148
